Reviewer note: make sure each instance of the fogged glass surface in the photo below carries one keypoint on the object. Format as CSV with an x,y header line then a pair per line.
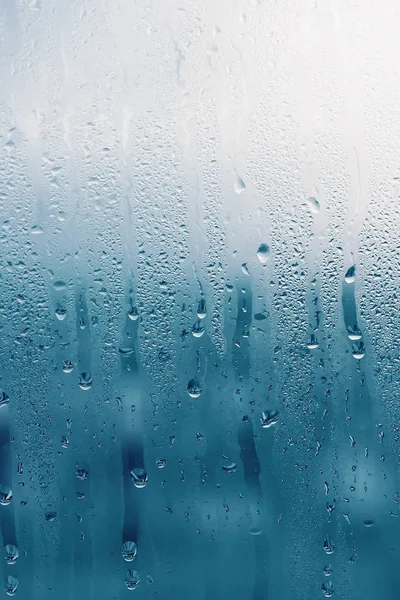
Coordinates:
x,y
199,299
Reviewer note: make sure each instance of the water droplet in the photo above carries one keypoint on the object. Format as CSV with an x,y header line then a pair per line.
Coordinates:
x,y
85,381
51,516
359,351
64,442
313,205
82,474
5,495
11,585
350,276
59,285
327,570
4,399
254,530
263,253
131,579
354,333
126,350
368,523
139,477
161,462
133,314
330,507
129,551
239,186
327,589
36,230
245,269
328,546
61,313
230,468
269,418
197,329
313,343
202,309
260,317
194,388
11,554
67,367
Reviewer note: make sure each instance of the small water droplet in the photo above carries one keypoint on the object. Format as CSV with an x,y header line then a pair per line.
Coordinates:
x,y
350,276
254,530
269,418
263,253
11,585
59,285
64,442
61,313
194,388
11,554
139,477
202,309
82,474
129,551
50,516
313,343
327,570
327,589
260,317
239,186
5,495
85,381
67,367
313,205
368,523
197,329
161,462
359,351
328,546
133,314
354,334
126,350
4,399
229,468
131,579
36,230
245,269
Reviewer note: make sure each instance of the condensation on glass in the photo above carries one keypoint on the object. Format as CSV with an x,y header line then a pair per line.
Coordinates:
x,y
199,307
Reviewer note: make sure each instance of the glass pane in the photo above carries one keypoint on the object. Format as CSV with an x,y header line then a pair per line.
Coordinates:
x,y
199,299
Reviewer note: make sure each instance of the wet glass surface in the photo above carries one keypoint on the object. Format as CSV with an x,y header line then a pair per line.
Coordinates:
x,y
199,299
